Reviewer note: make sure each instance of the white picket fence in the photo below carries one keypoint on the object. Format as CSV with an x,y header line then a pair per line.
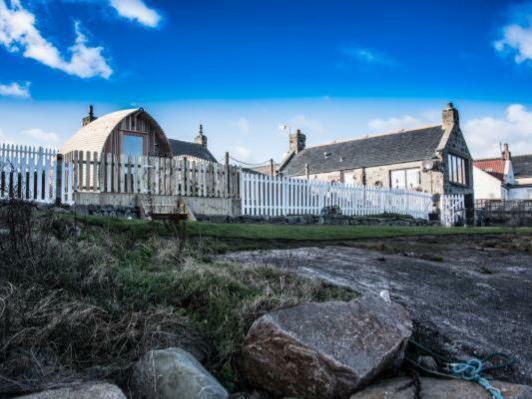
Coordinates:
x,y
36,174
30,173
452,209
263,195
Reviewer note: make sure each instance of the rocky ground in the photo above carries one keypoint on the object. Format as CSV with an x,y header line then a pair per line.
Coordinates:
x,y
468,296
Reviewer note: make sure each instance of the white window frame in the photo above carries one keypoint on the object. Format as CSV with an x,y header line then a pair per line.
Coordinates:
x,y
405,178
457,169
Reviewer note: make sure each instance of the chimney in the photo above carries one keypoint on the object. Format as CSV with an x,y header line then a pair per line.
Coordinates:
x,y
506,154
201,139
89,118
297,141
450,117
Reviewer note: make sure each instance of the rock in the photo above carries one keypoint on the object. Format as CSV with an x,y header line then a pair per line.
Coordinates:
x,y
427,362
174,373
325,350
97,390
435,388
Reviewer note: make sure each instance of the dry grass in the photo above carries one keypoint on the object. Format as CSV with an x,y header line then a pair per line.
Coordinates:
x,y
84,304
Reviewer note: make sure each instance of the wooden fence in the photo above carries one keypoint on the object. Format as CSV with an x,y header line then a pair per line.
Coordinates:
x,y
157,176
504,212
263,195
42,175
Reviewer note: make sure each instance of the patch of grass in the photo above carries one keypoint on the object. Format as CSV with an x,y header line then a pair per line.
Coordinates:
x,y
432,257
263,231
485,270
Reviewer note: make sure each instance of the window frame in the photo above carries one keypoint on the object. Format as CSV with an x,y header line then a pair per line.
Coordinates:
x,y
144,138
405,177
457,167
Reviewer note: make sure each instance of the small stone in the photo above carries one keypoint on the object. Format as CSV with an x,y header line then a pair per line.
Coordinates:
x,y
174,373
80,391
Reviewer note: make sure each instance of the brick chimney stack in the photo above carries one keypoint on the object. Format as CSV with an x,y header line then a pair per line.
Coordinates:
x,y
297,141
506,154
89,118
450,116
201,139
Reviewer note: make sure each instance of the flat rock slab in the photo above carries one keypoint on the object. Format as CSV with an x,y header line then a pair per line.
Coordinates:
x,y
325,350
81,391
173,373
434,388
468,304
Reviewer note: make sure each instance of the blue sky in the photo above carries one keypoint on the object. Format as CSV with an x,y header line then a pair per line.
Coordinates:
x,y
335,69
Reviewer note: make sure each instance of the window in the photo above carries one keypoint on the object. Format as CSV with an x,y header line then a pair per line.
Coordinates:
x,y
405,178
457,169
133,145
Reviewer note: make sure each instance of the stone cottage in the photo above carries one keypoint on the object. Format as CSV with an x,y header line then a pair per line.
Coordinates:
x,y
433,159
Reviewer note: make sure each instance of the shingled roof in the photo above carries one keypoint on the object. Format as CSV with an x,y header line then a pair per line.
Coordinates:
x,y
186,148
493,166
387,149
522,165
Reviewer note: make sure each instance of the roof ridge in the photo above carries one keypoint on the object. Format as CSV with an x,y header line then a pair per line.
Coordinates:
x,y
371,136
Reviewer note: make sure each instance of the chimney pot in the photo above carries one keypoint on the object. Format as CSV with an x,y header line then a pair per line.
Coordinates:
x,y
506,154
450,116
297,141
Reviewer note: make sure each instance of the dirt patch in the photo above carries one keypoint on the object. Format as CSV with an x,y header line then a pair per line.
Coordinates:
x,y
468,296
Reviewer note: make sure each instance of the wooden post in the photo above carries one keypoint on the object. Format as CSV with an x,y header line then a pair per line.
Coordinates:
x,y
272,169
58,179
307,171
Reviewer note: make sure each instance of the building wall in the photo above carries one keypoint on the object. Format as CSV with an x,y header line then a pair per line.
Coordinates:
x,y
520,193
431,182
457,145
486,186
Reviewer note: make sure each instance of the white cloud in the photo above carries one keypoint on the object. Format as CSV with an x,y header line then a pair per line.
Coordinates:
x,y
366,55
516,40
32,137
15,90
18,33
244,125
307,124
484,134
138,11
396,124
242,153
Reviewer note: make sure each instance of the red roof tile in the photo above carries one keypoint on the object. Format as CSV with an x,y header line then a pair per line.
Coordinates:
x,y
494,167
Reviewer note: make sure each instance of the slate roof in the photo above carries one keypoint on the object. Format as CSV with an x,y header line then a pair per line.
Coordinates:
x,y
522,165
406,146
186,148
493,166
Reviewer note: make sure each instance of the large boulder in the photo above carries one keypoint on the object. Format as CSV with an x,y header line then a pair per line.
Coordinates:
x,y
435,388
173,373
325,350
81,391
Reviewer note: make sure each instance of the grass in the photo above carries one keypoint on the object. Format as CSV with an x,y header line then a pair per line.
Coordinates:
x,y
143,229
102,298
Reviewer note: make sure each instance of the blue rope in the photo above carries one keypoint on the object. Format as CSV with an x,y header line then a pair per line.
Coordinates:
x,y
472,371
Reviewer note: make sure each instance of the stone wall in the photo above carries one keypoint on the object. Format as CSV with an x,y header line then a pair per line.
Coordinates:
x,y
457,145
431,181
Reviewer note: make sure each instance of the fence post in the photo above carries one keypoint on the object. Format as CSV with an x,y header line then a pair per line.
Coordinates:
x,y
59,179
227,177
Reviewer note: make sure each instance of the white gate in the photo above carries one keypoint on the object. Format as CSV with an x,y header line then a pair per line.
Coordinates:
x,y
452,209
